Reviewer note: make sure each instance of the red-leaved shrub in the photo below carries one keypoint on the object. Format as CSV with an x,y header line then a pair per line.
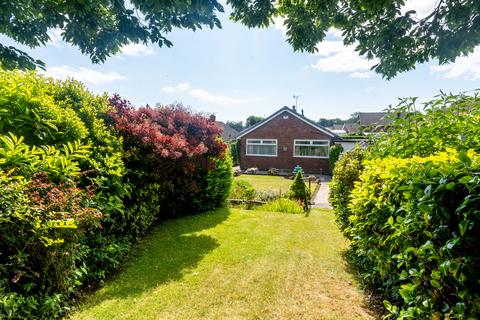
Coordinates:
x,y
177,161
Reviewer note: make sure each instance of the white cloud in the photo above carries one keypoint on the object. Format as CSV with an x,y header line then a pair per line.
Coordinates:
x,y
422,7
336,57
82,74
137,50
181,87
361,75
206,96
467,67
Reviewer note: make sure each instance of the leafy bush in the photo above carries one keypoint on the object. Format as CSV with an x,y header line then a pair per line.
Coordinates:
x,y
177,153
415,233
299,190
43,223
447,121
64,162
334,154
235,151
282,205
242,189
347,170
28,109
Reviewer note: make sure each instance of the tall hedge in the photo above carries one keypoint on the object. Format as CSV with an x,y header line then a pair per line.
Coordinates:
x,y
63,164
81,181
416,233
176,152
347,170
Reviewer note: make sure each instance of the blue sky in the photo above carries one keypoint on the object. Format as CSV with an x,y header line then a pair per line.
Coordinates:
x,y
235,72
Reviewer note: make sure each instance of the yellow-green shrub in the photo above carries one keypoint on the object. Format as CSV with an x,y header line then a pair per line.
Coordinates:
x,y
415,230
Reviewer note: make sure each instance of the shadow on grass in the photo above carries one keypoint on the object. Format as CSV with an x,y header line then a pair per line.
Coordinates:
x,y
163,256
372,301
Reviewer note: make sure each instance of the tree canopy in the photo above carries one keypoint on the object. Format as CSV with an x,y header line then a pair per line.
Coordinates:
x,y
99,28
379,29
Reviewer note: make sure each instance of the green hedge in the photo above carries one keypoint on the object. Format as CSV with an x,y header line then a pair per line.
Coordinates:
x,y
415,230
68,211
347,171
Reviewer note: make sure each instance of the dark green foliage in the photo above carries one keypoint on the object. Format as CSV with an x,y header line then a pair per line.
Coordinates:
x,y
235,151
99,28
237,125
68,212
300,191
42,263
347,170
334,154
252,120
379,29
53,140
415,234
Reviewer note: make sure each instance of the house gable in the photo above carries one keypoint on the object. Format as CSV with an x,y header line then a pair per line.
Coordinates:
x,y
289,113
285,127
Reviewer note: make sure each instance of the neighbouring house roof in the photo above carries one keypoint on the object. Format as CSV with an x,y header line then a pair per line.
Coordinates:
x,y
293,113
350,127
367,119
228,133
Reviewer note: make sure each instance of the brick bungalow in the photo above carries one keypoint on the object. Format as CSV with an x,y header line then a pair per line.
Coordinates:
x,y
286,139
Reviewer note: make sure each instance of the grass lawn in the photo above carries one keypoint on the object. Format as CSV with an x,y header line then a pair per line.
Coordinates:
x,y
234,264
269,183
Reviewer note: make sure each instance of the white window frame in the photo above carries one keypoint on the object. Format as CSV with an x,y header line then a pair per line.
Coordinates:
x,y
311,145
261,142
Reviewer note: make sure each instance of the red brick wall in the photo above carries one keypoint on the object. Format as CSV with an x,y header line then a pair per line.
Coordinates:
x,y
285,131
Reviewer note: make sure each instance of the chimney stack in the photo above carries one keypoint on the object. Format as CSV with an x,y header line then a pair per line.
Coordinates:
x,y
302,113
294,108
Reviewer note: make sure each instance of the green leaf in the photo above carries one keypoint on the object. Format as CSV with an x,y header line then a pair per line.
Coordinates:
x,y
464,158
435,283
462,227
465,179
451,185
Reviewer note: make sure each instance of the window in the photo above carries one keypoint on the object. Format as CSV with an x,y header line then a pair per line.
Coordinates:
x,y
311,148
260,147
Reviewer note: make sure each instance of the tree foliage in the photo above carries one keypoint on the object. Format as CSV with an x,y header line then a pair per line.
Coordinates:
x,y
378,29
98,28
446,121
252,120
237,125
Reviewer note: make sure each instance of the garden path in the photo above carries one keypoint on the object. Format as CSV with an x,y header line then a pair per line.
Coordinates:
x,y
321,198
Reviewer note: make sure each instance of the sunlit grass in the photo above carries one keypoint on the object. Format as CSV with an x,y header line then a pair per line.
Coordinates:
x,y
234,264
274,184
